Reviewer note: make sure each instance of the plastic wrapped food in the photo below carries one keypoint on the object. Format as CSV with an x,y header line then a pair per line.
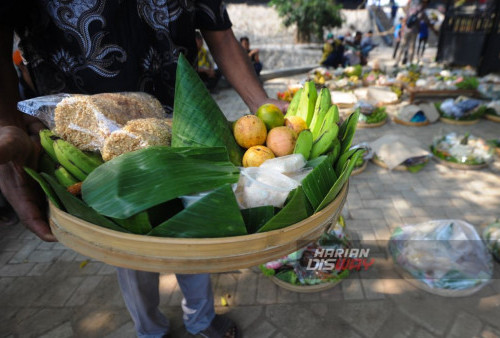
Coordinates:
x,y
461,108
259,186
463,149
491,236
87,120
445,257
285,164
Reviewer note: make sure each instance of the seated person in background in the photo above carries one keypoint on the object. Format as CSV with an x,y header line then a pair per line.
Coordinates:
x,y
327,48
253,54
353,55
367,44
206,71
336,57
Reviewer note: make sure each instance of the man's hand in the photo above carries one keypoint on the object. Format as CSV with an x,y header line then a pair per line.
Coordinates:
x,y
16,150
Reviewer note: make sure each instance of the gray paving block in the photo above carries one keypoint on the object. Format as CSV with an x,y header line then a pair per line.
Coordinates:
x,y
246,289
246,316
16,270
226,287
366,317
351,289
28,246
81,294
266,291
465,325
63,331
44,256
42,322
59,292
39,269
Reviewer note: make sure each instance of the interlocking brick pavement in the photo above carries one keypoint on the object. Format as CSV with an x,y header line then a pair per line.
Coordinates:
x,y
46,291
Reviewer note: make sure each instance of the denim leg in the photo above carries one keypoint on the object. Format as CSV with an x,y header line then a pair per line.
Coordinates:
x,y
141,294
198,302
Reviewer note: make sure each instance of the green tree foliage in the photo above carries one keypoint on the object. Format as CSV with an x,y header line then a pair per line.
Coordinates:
x,y
311,16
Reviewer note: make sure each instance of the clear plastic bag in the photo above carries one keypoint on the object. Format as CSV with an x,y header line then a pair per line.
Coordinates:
x,y
87,121
444,257
259,186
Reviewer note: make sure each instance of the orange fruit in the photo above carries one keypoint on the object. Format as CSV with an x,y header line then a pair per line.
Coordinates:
x,y
296,123
271,115
250,131
256,155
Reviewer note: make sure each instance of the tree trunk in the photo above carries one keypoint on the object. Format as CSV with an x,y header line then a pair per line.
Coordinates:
x,y
302,36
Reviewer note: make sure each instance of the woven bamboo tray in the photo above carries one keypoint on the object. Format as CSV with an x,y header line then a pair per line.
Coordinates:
x,y
383,165
304,288
492,118
411,124
359,170
189,255
458,122
460,166
414,92
372,125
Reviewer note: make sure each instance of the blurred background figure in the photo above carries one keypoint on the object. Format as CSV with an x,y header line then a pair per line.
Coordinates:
x,y
26,87
327,48
253,54
423,36
398,32
367,44
206,70
336,57
394,10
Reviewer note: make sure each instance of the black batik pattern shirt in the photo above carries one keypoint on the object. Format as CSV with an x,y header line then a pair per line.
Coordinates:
x,y
95,46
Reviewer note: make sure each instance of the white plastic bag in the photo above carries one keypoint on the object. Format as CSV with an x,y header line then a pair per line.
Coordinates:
x,y
444,257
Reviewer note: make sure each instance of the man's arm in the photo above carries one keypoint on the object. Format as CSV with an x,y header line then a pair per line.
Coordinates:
x,y
236,66
17,148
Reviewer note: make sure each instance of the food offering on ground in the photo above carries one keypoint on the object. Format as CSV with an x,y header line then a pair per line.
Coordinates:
x,y
462,151
418,114
288,94
370,116
301,271
464,267
491,237
461,111
493,111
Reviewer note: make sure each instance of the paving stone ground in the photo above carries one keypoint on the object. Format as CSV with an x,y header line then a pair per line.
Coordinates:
x,y
49,291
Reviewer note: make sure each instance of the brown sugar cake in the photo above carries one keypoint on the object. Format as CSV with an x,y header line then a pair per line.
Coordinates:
x,y
86,121
137,134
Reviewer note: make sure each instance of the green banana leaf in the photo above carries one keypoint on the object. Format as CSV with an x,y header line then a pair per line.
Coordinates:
x,y
51,195
215,215
295,210
198,120
255,218
318,182
78,208
136,181
347,131
343,178
137,224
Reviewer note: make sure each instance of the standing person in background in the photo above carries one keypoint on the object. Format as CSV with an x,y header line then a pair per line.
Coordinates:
x,y
327,48
398,32
394,10
123,46
415,14
423,36
253,54
206,71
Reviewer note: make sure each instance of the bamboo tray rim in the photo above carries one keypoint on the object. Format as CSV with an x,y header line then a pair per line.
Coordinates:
x,y
372,125
458,122
492,117
216,240
411,124
383,165
461,166
359,170
305,288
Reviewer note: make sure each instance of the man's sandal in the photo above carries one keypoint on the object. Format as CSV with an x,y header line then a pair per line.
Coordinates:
x,y
220,327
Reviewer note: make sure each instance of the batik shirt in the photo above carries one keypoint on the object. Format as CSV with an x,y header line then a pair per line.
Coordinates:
x,y
95,46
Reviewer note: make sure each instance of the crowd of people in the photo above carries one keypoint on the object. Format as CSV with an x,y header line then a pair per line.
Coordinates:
x,y
346,50
411,34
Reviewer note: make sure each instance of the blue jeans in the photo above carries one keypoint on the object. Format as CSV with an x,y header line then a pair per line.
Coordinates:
x,y
141,295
